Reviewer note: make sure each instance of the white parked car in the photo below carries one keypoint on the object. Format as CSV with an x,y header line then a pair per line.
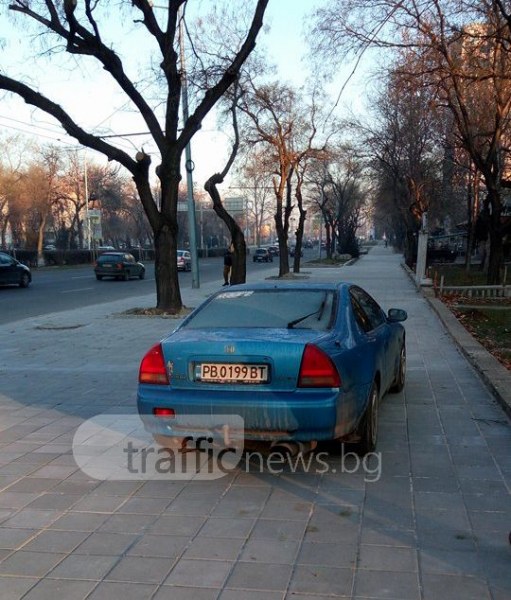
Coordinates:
x,y
184,260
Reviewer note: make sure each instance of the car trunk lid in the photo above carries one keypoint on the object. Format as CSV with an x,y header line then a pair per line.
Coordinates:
x,y
234,360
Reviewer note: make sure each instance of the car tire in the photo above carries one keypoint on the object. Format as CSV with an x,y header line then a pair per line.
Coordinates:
x,y
24,280
99,277
368,427
399,381
189,268
141,274
126,276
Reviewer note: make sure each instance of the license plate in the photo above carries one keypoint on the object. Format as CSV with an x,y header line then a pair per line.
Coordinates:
x,y
232,373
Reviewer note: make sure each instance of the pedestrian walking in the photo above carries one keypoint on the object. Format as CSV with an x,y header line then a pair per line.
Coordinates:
x,y
228,264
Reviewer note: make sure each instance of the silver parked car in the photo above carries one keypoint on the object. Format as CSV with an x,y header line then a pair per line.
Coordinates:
x,y
184,260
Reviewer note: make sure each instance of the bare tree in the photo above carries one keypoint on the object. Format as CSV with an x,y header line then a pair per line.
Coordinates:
x,y
345,184
12,164
402,146
81,29
42,189
254,177
279,120
461,50
239,264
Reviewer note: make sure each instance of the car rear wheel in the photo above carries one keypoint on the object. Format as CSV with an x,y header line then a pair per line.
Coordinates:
x,y
99,277
399,381
141,274
24,280
368,428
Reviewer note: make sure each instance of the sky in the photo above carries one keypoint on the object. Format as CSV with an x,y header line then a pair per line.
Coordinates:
x,y
90,96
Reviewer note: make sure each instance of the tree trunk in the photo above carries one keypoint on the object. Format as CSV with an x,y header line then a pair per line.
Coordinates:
x,y
470,222
410,247
239,257
328,230
299,240
3,235
495,233
283,250
281,228
168,295
40,237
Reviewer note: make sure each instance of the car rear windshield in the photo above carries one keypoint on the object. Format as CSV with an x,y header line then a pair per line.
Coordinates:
x,y
292,309
110,258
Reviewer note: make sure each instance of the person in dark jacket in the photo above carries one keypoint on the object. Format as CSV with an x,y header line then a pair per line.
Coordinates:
x,y
227,264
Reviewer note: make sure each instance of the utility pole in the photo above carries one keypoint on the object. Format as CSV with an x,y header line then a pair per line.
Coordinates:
x,y
188,163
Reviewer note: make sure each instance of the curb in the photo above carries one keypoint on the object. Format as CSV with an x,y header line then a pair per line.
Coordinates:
x,y
496,377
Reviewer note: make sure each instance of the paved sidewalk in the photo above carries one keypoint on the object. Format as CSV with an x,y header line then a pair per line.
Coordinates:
x,y
434,526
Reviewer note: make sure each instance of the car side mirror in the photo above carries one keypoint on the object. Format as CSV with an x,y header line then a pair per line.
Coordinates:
x,y
396,315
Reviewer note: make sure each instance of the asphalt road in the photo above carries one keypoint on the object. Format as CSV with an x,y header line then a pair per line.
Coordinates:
x,y
56,289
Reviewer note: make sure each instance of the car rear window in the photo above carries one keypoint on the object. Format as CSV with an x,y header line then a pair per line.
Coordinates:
x,y
293,309
110,258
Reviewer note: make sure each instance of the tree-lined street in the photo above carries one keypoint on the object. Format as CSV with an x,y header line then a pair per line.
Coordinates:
x,y
57,289
388,140
433,524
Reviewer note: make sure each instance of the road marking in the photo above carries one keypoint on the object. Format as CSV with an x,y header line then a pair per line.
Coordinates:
x,y
77,290
82,277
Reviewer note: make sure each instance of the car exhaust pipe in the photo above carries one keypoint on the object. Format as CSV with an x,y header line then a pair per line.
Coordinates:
x,y
292,448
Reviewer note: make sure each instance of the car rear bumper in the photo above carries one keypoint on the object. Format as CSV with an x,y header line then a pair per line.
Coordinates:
x,y
109,272
299,415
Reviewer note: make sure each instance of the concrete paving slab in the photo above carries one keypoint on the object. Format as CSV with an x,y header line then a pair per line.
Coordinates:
x,y
433,523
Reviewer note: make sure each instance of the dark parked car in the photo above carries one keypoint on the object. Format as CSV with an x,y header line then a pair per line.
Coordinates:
x,y
442,254
274,250
119,265
13,272
184,260
292,251
262,255
298,363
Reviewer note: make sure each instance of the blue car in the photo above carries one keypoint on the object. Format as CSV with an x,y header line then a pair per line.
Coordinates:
x,y
297,362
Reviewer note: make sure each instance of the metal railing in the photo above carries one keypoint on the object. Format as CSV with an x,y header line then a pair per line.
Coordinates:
x,y
474,291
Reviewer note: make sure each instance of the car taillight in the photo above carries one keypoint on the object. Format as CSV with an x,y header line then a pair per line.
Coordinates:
x,y
161,411
317,369
119,265
152,367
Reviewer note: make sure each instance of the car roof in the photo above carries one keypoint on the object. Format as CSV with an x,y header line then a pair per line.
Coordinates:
x,y
288,286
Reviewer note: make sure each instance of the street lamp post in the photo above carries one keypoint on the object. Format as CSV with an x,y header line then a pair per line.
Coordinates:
x,y
189,167
422,253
